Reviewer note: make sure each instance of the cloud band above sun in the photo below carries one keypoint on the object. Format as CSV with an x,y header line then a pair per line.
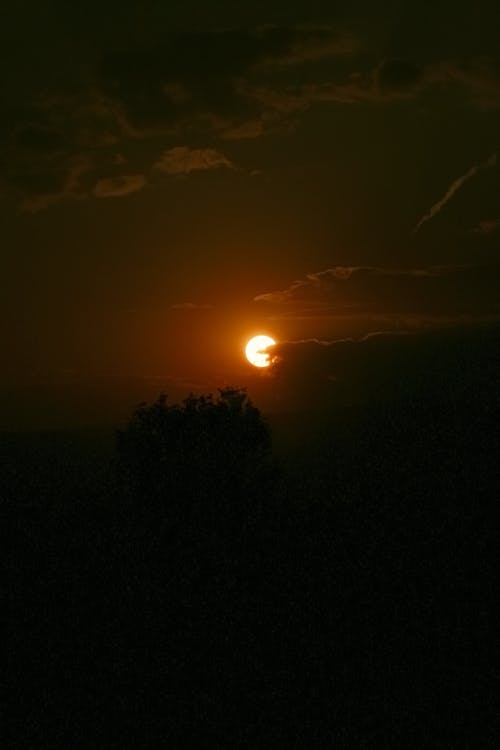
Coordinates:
x,y
429,292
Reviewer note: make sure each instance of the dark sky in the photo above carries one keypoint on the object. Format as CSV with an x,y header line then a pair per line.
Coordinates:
x,y
177,176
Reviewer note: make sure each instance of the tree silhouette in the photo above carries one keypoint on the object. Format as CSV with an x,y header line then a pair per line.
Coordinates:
x,y
203,464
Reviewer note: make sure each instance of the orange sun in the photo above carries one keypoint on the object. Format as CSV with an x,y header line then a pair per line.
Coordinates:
x,y
256,352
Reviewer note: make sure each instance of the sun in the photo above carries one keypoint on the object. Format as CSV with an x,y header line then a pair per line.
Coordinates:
x,y
256,353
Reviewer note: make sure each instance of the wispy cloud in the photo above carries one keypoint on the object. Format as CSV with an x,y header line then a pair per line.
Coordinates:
x,y
326,281
454,187
395,294
115,187
181,160
68,187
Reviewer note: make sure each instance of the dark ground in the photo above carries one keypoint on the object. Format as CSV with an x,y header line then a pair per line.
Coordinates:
x,y
357,612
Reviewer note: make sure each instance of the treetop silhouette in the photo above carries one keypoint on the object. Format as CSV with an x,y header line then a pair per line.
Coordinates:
x,y
205,451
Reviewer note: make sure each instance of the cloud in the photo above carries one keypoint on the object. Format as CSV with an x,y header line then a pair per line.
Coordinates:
x,y
487,226
186,76
449,362
115,187
425,292
190,306
454,187
478,78
274,105
391,80
202,55
303,44
322,284
41,189
398,75
225,83
253,128
182,160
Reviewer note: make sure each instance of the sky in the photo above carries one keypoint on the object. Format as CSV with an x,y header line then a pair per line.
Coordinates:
x,y
178,176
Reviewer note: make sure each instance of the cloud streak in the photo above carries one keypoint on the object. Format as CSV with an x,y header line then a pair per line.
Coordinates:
x,y
325,282
455,187
427,292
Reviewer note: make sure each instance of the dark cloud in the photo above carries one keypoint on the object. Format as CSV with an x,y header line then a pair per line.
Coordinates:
x,y
477,77
39,140
398,75
271,107
301,45
231,83
427,292
41,188
198,74
457,363
198,56
38,182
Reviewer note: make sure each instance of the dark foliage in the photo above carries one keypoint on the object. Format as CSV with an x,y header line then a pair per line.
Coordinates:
x,y
203,466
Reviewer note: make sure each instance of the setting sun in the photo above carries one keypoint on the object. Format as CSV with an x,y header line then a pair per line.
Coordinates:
x,y
255,351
